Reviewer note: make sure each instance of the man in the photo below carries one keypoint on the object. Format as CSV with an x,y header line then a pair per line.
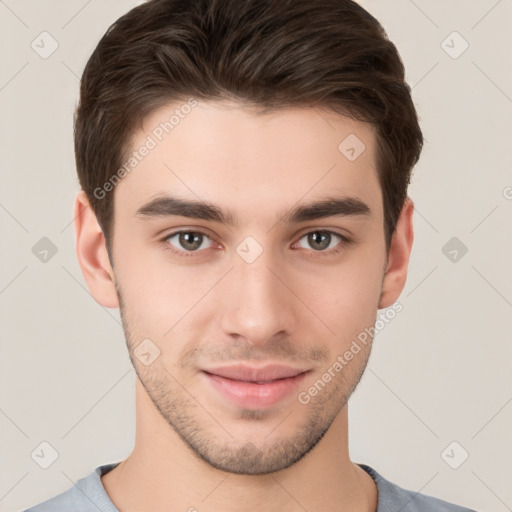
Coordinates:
x,y
244,169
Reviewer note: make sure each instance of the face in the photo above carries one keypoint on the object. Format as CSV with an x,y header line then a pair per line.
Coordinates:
x,y
212,299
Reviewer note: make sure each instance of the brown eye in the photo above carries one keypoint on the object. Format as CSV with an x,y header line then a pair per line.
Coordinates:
x,y
188,241
321,240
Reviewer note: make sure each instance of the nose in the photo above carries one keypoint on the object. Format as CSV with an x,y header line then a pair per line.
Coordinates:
x,y
257,303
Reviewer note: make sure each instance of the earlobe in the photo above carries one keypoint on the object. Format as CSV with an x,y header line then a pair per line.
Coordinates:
x,y
92,254
395,274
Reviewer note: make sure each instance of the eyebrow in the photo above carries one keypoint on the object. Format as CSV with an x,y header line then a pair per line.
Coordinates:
x,y
167,206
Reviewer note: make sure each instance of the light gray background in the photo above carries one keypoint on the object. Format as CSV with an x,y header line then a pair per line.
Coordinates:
x,y
439,372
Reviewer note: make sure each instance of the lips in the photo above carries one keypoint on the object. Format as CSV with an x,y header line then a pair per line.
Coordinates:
x,y
251,374
254,388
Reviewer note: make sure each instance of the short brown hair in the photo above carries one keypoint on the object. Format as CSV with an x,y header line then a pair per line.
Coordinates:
x,y
269,53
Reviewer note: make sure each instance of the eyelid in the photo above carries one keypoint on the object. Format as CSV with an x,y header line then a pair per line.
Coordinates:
x,y
344,239
183,252
315,229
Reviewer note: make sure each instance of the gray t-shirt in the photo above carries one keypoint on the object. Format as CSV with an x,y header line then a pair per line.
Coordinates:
x,y
89,495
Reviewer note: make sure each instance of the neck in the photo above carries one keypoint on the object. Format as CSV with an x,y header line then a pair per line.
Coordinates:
x,y
163,474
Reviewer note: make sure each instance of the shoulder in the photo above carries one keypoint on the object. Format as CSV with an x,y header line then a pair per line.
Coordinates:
x,y
87,495
64,501
392,497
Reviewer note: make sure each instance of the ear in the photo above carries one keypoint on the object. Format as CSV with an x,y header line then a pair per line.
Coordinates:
x,y
397,264
92,254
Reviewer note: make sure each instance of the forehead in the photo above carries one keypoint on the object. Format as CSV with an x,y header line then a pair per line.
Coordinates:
x,y
228,152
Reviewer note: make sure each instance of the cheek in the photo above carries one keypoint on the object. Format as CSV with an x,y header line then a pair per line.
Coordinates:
x,y
159,295
347,297
143,291
162,296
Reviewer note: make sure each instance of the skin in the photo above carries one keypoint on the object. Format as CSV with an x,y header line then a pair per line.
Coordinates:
x,y
294,305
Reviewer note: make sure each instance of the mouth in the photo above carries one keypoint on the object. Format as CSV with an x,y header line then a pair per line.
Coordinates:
x,y
255,388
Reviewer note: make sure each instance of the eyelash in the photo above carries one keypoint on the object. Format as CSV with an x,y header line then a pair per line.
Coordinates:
x,y
187,254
